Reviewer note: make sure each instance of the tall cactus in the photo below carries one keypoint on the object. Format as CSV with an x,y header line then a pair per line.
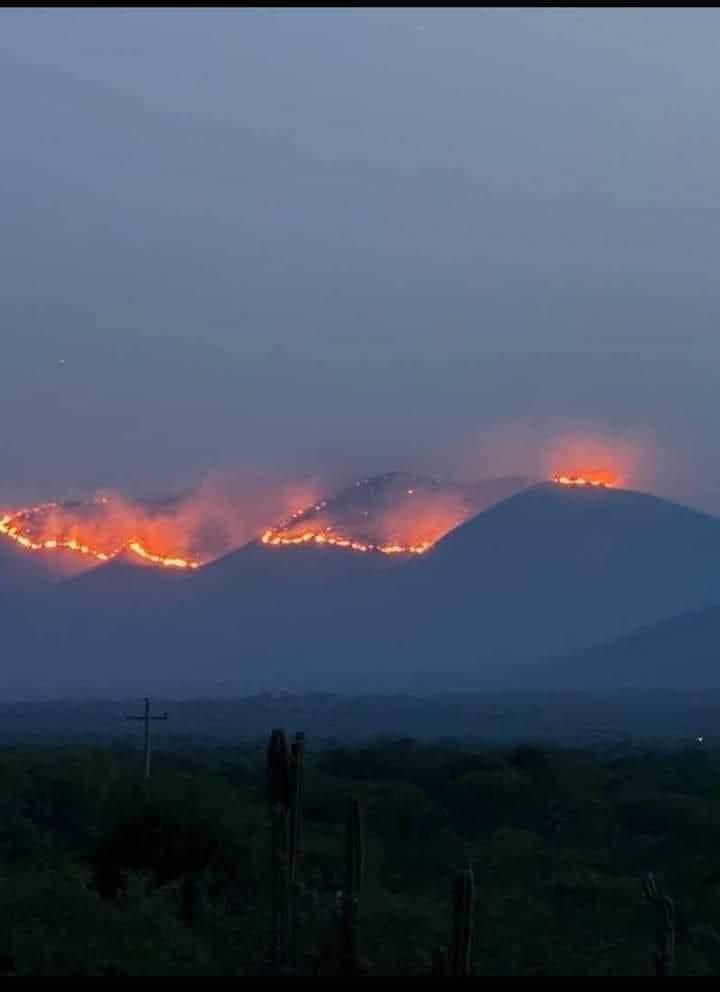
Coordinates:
x,y
296,818
354,869
440,964
279,789
664,954
463,890
285,793
295,840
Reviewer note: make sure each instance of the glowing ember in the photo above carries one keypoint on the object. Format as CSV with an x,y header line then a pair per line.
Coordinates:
x,y
393,514
284,538
389,531
602,479
26,527
16,527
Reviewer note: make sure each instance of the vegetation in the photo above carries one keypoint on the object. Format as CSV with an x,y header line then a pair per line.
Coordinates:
x,y
396,858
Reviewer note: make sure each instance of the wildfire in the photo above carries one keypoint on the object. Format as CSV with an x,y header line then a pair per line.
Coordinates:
x,y
16,527
279,538
298,530
604,480
21,526
394,514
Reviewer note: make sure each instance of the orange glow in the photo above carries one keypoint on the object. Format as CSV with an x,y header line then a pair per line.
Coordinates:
x,y
283,538
186,533
103,529
48,527
612,461
17,526
598,478
408,528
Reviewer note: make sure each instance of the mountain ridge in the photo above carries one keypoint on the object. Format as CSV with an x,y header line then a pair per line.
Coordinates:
x,y
547,573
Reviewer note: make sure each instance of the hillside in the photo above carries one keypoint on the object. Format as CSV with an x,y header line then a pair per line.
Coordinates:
x,y
548,573
555,570
379,509
679,653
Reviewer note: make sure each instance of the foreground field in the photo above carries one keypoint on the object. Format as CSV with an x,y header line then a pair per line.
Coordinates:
x,y
104,874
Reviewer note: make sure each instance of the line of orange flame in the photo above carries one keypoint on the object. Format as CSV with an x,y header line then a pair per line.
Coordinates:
x,y
328,537
580,480
284,536
11,527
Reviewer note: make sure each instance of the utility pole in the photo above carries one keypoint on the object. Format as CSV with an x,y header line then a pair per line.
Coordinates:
x,y
146,718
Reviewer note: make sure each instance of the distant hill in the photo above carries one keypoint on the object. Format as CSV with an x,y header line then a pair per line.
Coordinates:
x,y
548,573
554,570
396,510
372,509
680,653
369,508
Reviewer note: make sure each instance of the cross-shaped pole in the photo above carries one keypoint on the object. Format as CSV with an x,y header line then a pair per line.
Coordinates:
x,y
146,718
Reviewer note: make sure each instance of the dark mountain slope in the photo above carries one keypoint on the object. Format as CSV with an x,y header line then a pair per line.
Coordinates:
x,y
549,572
680,653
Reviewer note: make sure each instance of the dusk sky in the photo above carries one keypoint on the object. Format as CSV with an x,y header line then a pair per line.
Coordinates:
x,y
355,240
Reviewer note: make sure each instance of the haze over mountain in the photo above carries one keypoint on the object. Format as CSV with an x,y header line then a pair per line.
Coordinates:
x,y
681,651
400,506
549,572
395,506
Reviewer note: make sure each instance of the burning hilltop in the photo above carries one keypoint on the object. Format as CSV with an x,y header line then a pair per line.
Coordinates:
x,y
179,533
90,530
392,514
599,478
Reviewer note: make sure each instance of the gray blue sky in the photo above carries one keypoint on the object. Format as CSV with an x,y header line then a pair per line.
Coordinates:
x,y
354,239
